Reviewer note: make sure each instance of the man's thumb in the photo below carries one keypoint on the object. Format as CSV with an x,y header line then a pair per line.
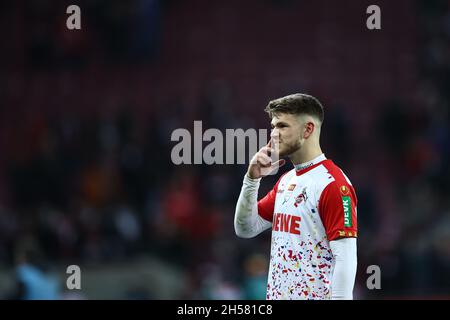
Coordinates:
x,y
276,166
280,163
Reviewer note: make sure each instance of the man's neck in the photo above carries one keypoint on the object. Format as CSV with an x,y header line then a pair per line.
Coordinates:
x,y
306,165
305,155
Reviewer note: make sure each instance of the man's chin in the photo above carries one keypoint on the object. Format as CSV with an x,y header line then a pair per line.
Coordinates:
x,y
286,152
283,153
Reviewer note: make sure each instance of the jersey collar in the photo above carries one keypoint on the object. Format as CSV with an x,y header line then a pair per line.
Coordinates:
x,y
306,166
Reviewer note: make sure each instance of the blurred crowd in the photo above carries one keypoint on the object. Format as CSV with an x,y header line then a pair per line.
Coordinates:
x,y
86,175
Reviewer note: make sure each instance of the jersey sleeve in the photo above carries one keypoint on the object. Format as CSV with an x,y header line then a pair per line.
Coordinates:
x,y
266,205
338,210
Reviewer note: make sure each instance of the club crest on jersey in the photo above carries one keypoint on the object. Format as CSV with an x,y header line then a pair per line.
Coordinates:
x,y
344,190
301,197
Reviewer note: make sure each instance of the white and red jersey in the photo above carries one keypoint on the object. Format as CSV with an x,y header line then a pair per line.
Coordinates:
x,y
308,208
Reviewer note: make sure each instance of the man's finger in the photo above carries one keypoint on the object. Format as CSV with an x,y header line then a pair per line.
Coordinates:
x,y
267,150
278,164
266,158
273,169
264,161
264,165
275,145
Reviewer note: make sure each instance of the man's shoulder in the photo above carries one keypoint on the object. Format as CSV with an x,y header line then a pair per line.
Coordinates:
x,y
337,173
328,175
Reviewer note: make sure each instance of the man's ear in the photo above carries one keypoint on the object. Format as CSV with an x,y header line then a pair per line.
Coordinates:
x,y
309,129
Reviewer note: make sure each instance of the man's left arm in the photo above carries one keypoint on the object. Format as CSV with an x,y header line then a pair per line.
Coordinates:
x,y
337,208
343,279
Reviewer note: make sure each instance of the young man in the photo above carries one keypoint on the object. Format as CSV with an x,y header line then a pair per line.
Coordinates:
x,y
311,209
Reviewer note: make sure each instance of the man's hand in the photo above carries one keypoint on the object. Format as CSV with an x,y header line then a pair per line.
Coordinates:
x,y
261,164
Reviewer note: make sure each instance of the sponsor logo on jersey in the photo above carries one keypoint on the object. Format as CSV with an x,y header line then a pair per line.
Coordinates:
x,y
347,205
286,223
300,167
291,187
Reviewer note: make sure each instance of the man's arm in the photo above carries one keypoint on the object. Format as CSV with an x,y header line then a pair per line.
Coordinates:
x,y
343,279
247,222
338,214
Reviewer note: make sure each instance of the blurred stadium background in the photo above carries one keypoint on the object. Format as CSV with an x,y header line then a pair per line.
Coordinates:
x,y
86,116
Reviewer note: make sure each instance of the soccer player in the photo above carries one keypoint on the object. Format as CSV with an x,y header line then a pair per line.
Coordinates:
x,y
311,209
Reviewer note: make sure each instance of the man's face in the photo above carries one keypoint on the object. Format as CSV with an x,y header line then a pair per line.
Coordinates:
x,y
287,133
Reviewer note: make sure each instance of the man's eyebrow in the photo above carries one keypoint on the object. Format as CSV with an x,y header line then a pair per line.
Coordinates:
x,y
278,124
